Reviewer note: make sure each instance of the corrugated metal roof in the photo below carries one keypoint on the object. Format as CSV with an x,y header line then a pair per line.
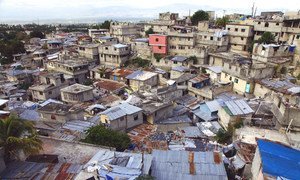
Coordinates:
x,y
120,45
215,69
238,107
180,68
176,165
40,171
121,110
131,165
141,75
3,101
213,105
179,58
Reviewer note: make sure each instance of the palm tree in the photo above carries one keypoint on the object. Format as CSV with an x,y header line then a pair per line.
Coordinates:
x,y
102,71
16,136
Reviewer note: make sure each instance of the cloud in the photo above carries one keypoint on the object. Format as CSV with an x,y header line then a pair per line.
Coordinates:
x,y
64,9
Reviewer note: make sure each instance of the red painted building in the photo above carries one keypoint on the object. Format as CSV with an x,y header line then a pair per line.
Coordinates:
x,y
158,43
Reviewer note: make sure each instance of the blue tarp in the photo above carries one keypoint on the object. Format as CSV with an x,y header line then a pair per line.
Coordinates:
x,y
279,160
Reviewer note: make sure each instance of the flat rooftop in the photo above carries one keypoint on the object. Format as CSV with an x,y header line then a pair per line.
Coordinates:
x,y
76,88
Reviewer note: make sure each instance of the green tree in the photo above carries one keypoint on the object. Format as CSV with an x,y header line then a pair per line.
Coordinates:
x,y
37,34
105,25
17,135
100,135
102,70
267,38
221,22
149,31
88,82
224,136
194,59
283,70
199,15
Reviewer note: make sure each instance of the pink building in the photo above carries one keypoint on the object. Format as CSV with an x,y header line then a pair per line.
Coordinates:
x,y
159,43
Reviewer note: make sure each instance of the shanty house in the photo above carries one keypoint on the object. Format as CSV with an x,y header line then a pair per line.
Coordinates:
x,y
141,79
234,111
122,117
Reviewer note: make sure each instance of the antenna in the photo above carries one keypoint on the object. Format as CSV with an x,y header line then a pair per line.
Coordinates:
x,y
253,9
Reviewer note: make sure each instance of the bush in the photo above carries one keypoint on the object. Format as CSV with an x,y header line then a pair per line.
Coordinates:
x,y
199,16
88,82
149,31
223,136
100,135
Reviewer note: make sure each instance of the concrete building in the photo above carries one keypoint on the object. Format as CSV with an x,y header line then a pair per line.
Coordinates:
x,y
158,43
181,43
201,87
273,53
285,98
291,32
141,48
107,40
114,55
60,113
241,71
72,69
89,51
234,111
267,25
173,61
274,160
165,21
77,93
125,31
140,80
49,87
155,112
122,117
95,33
240,36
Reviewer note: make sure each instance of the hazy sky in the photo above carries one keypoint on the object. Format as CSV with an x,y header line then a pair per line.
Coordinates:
x,y
50,9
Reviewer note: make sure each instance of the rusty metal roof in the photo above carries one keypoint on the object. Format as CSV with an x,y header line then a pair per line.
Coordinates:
x,y
40,171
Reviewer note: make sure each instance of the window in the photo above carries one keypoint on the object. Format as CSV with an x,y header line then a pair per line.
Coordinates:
x,y
228,29
50,92
159,47
258,23
298,37
205,37
236,29
175,62
236,80
211,38
266,24
230,78
135,117
156,39
41,93
243,30
53,117
277,24
242,38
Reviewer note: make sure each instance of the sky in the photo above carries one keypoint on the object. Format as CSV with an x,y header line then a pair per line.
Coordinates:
x,y
19,10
